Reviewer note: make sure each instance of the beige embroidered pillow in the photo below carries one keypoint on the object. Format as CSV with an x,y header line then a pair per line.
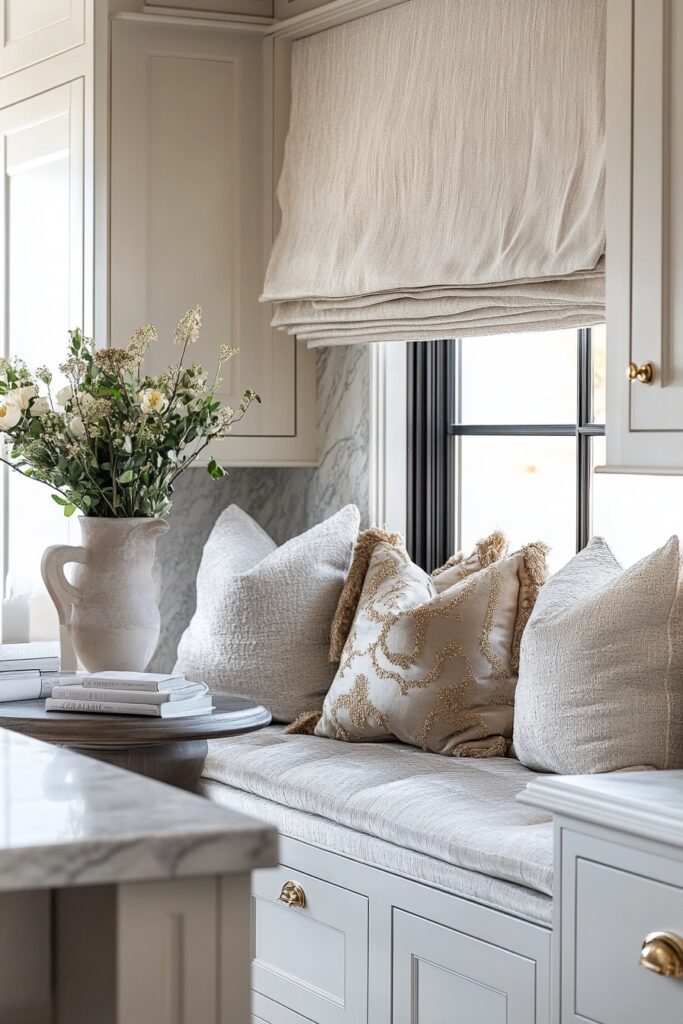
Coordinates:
x,y
601,670
434,670
487,551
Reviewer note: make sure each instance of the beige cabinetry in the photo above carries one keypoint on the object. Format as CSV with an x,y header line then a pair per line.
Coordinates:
x,y
618,896
34,30
153,137
191,220
645,235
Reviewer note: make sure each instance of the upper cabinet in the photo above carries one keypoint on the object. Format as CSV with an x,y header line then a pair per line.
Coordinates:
x,y
645,235
33,30
192,172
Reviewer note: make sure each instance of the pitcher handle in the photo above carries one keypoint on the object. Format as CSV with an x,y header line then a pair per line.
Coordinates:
x,y
63,593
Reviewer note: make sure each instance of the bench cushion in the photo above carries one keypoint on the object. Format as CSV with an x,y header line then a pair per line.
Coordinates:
x,y
461,813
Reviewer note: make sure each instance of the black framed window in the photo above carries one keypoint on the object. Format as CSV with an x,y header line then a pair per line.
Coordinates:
x,y
502,434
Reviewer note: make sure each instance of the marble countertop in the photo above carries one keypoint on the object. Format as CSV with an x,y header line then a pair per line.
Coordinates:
x,y
67,820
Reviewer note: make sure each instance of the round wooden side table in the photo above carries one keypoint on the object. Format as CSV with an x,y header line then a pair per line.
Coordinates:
x,y
172,750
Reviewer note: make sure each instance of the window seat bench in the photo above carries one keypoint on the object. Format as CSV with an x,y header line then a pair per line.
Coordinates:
x,y
423,881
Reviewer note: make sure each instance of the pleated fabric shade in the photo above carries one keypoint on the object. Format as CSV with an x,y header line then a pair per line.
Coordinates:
x,y
444,174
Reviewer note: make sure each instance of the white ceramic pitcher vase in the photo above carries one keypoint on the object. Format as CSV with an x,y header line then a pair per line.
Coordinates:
x,y
111,610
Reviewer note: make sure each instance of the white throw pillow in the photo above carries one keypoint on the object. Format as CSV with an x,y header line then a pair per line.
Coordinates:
x,y
601,666
262,624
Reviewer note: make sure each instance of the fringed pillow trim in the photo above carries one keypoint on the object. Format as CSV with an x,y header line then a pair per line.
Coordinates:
x,y
305,724
533,574
353,586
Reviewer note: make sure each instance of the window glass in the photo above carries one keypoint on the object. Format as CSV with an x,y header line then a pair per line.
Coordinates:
x,y
519,378
635,514
38,307
525,486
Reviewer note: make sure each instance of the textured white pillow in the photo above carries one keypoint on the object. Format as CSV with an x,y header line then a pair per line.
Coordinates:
x,y
262,624
601,666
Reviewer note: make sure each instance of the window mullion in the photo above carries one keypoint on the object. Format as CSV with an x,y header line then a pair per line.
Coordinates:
x,y
583,437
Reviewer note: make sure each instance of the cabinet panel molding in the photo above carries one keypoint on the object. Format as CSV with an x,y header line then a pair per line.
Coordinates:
x,y
645,233
192,220
435,967
33,30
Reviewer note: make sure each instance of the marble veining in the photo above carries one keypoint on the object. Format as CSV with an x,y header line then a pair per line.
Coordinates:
x,y
285,502
67,820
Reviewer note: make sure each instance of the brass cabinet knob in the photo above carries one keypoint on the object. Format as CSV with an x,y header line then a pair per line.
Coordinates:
x,y
293,895
662,953
645,373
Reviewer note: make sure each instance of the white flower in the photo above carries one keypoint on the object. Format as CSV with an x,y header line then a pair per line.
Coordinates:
x,y
39,406
76,427
22,396
65,394
10,413
152,400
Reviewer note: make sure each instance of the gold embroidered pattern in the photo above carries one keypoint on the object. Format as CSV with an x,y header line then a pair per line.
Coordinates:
x,y
450,707
498,670
360,709
353,586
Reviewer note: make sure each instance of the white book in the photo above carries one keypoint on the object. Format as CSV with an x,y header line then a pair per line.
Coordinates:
x,y
20,686
26,656
28,665
80,692
182,709
152,682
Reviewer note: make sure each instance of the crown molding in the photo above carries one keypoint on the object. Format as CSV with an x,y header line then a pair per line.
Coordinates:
x,y
338,12
260,28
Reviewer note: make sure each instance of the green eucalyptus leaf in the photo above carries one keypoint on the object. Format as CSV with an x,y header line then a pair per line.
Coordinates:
x,y
215,470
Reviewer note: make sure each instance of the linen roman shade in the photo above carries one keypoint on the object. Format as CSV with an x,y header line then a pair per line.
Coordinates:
x,y
444,173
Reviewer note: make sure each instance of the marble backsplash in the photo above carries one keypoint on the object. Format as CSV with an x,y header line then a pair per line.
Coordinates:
x,y
285,502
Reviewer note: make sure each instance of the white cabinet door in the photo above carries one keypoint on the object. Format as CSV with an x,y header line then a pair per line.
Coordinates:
x,y
191,221
33,30
645,233
440,974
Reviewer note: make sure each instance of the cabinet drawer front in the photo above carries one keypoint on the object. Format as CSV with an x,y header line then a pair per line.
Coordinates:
x,y
436,969
615,911
312,958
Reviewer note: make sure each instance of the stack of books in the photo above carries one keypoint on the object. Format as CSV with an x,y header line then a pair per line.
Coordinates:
x,y
132,693
28,671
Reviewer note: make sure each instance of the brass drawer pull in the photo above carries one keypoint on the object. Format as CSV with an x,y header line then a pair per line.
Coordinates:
x,y
662,953
645,373
293,895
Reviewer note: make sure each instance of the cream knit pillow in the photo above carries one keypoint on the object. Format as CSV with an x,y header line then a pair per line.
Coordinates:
x,y
434,670
601,667
262,628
